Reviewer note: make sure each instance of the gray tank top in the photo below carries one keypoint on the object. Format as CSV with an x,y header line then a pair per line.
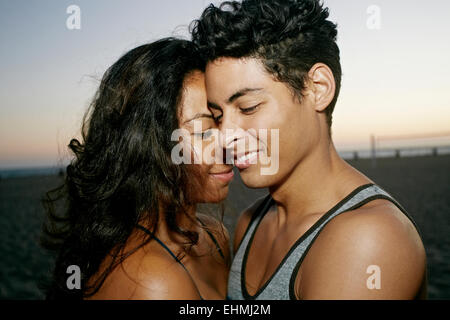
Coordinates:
x,y
281,285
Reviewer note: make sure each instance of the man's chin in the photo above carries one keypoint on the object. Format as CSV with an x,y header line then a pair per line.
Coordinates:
x,y
252,178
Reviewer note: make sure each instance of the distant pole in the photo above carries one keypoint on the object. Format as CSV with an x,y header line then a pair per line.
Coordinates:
x,y
373,144
435,152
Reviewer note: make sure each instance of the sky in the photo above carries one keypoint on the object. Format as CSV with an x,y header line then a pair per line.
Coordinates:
x,y
394,55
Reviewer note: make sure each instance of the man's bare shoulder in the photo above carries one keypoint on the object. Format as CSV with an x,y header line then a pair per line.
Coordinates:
x,y
244,220
378,218
375,237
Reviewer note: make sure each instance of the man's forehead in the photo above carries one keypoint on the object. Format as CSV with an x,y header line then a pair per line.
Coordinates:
x,y
227,76
231,62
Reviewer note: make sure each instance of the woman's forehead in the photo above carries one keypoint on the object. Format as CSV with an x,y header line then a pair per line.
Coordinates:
x,y
194,100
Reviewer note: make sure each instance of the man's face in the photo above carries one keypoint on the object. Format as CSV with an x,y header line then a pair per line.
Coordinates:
x,y
243,95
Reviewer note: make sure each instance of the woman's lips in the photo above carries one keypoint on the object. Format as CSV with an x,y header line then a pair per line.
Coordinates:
x,y
225,176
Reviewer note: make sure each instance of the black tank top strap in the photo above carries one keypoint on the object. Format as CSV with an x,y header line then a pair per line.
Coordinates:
x,y
151,234
213,239
259,212
263,207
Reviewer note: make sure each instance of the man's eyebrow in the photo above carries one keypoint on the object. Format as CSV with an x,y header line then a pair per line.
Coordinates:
x,y
235,96
199,116
241,93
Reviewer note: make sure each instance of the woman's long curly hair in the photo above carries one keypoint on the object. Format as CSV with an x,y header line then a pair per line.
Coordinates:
x,y
122,173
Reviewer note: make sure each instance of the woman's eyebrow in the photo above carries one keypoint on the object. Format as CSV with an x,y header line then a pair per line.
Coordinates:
x,y
199,116
214,106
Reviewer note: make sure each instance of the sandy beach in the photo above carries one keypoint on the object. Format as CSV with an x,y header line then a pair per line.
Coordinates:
x,y
421,185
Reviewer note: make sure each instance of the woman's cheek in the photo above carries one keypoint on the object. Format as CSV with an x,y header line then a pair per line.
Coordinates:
x,y
208,153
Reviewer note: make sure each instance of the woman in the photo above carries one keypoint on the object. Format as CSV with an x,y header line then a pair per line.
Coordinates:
x,y
130,221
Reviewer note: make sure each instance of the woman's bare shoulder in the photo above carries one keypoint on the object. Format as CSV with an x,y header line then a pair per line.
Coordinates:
x,y
149,274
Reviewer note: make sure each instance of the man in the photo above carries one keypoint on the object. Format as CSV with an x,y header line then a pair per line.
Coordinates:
x,y
326,231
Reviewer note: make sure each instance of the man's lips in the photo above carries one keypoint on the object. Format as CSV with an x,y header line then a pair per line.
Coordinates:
x,y
245,160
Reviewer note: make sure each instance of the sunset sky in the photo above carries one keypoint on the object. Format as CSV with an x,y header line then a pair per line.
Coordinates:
x,y
396,78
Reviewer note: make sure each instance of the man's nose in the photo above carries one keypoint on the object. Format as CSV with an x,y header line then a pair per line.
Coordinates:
x,y
230,132
233,138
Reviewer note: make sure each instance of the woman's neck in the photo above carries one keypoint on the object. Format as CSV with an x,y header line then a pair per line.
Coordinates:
x,y
186,221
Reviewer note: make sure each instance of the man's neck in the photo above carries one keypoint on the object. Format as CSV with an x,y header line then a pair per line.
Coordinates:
x,y
316,184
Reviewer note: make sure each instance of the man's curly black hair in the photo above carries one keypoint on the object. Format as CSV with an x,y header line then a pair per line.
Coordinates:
x,y
288,36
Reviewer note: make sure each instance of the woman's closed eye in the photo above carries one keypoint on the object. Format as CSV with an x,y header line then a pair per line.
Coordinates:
x,y
204,135
218,118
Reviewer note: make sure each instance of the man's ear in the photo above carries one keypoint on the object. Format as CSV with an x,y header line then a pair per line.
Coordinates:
x,y
323,85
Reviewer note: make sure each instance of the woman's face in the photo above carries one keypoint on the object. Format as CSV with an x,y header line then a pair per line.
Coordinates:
x,y
211,177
